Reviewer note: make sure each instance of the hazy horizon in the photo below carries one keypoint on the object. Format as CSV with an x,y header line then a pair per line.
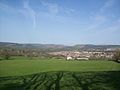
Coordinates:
x,y
59,43
66,22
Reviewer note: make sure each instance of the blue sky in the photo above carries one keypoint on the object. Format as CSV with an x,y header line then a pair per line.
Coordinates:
x,y
66,22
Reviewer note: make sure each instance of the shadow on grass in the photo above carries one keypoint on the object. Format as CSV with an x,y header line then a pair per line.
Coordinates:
x,y
63,81
1,59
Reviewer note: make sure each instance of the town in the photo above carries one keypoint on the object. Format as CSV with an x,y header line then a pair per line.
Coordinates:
x,y
84,55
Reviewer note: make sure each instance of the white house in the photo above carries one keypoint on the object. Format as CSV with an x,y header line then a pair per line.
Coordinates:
x,y
82,58
69,58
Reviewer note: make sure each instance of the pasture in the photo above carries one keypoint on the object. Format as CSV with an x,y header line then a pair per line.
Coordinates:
x,y
106,80
19,67
54,74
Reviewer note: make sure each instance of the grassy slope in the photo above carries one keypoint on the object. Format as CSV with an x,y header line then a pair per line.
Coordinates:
x,y
24,67
63,81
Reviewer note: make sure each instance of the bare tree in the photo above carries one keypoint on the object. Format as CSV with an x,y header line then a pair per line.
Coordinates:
x,y
6,54
116,56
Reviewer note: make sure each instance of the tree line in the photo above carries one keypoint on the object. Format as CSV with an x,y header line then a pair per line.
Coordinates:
x,y
7,53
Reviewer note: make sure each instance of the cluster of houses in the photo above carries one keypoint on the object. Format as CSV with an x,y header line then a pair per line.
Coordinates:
x,y
69,55
86,55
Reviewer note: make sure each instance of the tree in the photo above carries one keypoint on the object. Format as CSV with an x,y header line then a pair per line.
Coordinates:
x,y
6,54
116,56
29,54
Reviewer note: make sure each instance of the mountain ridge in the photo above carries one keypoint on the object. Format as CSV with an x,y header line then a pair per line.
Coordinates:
x,y
57,46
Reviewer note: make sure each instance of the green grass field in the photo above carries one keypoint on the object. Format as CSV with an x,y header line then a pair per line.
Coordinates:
x,y
25,67
54,74
63,81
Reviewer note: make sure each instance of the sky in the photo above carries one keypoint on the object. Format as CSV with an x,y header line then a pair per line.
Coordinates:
x,y
67,22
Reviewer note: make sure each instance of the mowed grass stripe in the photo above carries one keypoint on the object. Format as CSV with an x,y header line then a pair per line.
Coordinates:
x,y
24,67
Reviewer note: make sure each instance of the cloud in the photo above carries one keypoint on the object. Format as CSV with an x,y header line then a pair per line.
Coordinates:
x,y
100,17
118,20
101,12
107,4
94,26
7,8
97,21
26,11
69,11
115,26
29,11
53,8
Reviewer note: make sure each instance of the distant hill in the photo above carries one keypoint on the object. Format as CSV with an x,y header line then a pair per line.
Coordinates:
x,y
7,44
97,47
56,47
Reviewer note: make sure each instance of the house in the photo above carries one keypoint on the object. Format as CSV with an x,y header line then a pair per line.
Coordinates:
x,y
82,58
69,58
